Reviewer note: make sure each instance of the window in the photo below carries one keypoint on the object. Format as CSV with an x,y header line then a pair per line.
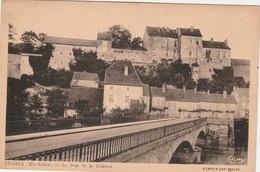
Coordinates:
x,y
127,99
189,53
110,98
197,42
175,43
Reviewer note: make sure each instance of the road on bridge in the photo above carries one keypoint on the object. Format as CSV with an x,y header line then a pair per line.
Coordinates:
x,y
33,143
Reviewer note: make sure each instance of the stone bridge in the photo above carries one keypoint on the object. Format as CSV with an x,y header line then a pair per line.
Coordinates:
x,y
157,141
182,144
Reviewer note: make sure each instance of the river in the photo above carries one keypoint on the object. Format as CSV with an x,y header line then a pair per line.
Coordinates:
x,y
228,156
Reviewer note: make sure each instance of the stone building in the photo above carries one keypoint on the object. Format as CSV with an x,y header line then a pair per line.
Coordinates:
x,y
187,44
216,54
161,43
122,86
63,50
242,98
93,96
18,64
158,43
190,44
241,68
182,103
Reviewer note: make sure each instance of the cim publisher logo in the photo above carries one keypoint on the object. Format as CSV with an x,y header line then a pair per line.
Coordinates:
x,y
233,159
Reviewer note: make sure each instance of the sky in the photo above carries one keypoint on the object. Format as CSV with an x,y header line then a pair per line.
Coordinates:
x,y
84,19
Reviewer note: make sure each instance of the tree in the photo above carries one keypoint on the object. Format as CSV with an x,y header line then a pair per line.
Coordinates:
x,y
203,84
190,84
35,105
82,107
12,47
240,82
17,98
88,61
45,76
30,37
137,43
223,79
56,102
179,80
11,32
162,71
63,78
121,37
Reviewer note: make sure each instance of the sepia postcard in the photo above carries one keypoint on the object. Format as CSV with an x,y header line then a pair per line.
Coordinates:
x,y
117,86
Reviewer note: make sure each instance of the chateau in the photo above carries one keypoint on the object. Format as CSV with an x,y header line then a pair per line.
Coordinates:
x,y
185,43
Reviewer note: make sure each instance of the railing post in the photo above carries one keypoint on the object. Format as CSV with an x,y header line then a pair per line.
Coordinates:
x,y
164,131
80,152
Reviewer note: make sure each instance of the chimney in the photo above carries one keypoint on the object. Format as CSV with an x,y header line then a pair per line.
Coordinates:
x,y
126,71
226,42
234,89
225,93
167,30
184,89
211,40
163,87
208,92
191,28
195,90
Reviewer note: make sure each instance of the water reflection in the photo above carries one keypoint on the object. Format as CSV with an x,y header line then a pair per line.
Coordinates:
x,y
228,156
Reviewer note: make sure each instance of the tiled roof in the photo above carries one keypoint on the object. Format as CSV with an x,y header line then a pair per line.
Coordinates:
x,y
157,92
70,41
190,32
93,95
104,36
243,92
146,90
161,32
190,96
180,95
215,44
240,62
216,98
115,74
85,76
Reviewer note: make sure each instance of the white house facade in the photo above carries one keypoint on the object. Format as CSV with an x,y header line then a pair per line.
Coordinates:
x,y
122,86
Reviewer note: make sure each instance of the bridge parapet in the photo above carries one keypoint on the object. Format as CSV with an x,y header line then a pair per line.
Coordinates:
x,y
102,149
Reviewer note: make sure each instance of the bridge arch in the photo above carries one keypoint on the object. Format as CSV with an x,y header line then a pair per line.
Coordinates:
x,y
164,149
184,148
200,139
